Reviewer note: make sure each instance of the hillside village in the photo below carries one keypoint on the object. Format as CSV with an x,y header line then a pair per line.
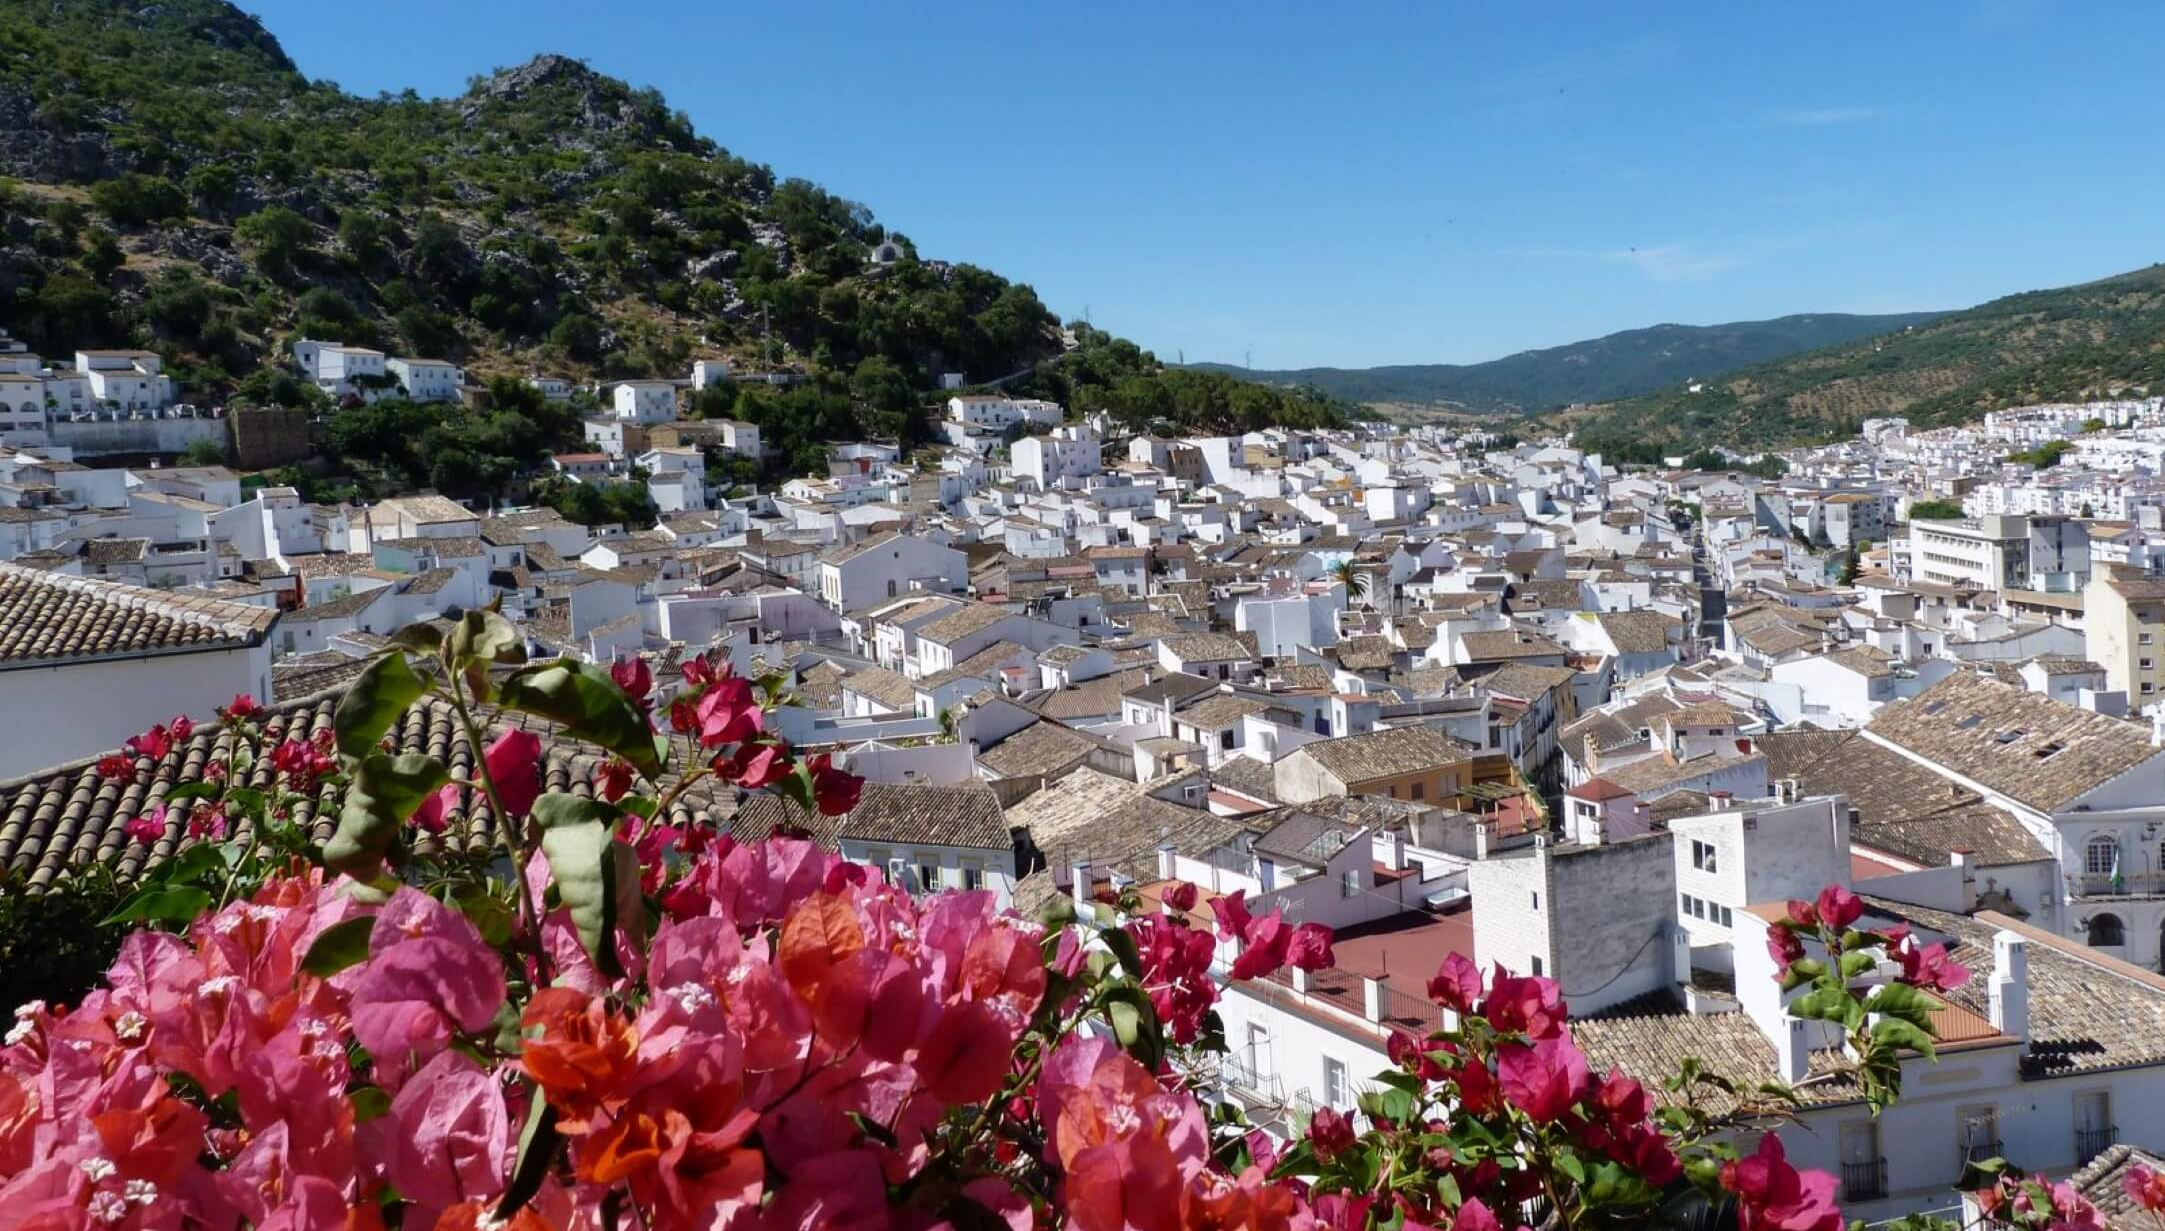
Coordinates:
x,y
1445,694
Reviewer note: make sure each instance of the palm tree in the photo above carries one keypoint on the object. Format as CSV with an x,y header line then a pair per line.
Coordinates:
x,y
1350,575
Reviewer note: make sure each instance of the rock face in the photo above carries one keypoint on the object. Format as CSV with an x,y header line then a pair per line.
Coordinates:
x,y
596,104
31,148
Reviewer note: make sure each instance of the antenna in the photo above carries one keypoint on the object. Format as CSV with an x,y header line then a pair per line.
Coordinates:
x,y
1248,359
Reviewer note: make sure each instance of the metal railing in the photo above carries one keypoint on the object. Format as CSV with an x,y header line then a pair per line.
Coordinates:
x,y
1977,1150
2125,885
2091,1142
1865,1181
1243,1080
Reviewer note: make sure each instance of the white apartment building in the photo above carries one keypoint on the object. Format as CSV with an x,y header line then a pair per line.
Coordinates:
x,y
427,380
997,412
342,371
129,380
645,401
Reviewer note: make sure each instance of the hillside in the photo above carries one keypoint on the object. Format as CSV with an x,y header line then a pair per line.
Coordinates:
x,y
2095,339
1602,369
168,179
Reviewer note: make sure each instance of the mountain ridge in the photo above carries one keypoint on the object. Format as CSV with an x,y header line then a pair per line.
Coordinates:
x,y
2104,337
1614,365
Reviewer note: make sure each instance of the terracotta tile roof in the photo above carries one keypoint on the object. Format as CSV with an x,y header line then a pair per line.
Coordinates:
x,y
68,818
964,814
2042,752
46,617
1385,753
1042,749
2102,1181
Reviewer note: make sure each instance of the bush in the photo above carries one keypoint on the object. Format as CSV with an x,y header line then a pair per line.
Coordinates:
x,y
134,199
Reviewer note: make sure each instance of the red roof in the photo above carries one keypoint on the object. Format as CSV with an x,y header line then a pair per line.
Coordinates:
x,y
1598,790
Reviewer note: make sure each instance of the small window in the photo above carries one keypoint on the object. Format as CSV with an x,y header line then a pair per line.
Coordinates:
x,y
1420,790
1335,1087
2049,751
2142,638
1970,721
929,876
1225,739
1349,884
1683,903
1727,919
1702,856
1537,966
2010,735
1537,901
973,874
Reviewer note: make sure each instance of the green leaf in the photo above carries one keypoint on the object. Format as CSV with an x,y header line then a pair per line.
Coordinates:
x,y
1858,962
1135,1024
557,810
582,698
1902,1001
424,637
538,1144
490,916
189,790
369,1102
1829,1004
1895,1032
1122,944
1803,971
174,904
483,636
597,877
339,946
385,791
378,696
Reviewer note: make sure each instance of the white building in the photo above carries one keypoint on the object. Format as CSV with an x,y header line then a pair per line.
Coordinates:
x,y
426,380
645,401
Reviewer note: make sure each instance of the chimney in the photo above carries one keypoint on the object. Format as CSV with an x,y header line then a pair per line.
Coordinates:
x,y
1079,881
1375,994
2011,985
1301,979
1719,801
1795,1051
1166,852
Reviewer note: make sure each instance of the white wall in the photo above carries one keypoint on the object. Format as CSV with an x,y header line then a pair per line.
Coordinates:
x,y
57,717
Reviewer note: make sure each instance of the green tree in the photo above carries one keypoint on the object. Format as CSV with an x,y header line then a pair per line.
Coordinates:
x,y
134,199
179,305
103,258
1935,510
1349,573
279,236
204,453
578,336
360,234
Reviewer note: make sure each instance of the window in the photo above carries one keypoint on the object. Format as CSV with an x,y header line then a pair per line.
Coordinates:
x,y
2094,1130
1335,1087
1537,966
1349,884
1225,739
1420,790
1864,1172
2146,664
973,874
1537,901
928,875
2106,930
1702,856
2101,857
2142,638
1683,903
1978,1132
1727,919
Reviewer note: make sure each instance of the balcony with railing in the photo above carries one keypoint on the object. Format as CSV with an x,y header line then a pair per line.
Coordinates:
x,y
1248,1084
1864,1181
1979,1149
2121,885
2091,1142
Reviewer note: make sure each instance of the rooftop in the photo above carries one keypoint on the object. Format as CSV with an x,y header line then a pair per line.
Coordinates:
x,y
48,616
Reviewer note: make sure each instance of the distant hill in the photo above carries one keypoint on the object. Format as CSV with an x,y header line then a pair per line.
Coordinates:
x,y
2095,339
170,180
1619,365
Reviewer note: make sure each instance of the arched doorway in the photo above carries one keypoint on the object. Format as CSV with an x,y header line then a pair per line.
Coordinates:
x,y
2106,931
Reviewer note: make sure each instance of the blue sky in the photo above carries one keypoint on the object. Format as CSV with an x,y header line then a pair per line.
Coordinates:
x,y
1355,184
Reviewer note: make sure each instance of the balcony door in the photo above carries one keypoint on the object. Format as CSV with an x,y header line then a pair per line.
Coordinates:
x,y
1864,1170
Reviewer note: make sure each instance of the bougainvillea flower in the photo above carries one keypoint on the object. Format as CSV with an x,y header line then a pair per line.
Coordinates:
x,y
1930,968
1838,907
1530,1005
453,1133
756,766
1181,896
634,677
154,743
1310,948
2145,1187
728,713
834,791
1457,983
1774,1196
1544,1079
411,998
613,780
1329,1132
578,1051
147,829
1232,912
